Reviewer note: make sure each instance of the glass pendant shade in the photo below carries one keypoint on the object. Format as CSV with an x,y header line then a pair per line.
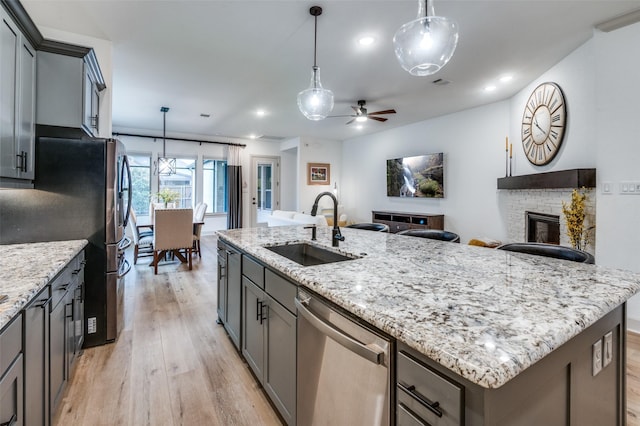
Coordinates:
x,y
424,45
315,103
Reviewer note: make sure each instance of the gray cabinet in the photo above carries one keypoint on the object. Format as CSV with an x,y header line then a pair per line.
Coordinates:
x,y
66,327
58,338
234,295
69,82
17,105
11,374
36,359
230,290
222,282
269,334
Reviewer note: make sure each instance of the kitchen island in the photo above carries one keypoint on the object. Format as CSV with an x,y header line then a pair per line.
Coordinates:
x,y
482,317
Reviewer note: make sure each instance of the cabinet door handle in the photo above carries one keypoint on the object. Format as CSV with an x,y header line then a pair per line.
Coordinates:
x,y
12,421
43,303
264,312
434,407
258,310
24,159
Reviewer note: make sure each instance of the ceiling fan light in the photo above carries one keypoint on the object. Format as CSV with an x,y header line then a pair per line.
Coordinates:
x,y
424,45
315,103
361,119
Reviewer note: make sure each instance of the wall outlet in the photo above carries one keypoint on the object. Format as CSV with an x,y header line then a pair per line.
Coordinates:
x,y
596,357
91,325
607,187
630,188
607,354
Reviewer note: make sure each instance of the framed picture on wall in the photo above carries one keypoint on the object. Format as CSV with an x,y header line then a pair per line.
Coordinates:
x,y
318,173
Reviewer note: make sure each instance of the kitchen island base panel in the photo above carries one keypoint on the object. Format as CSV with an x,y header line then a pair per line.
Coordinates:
x,y
560,389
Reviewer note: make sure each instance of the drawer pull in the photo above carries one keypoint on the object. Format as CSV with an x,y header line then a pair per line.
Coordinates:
x,y
43,303
434,407
414,416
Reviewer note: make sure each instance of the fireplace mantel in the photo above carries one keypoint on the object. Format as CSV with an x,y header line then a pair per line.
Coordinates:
x,y
574,178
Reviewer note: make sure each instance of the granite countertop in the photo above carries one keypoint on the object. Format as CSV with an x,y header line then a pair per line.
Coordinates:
x,y
26,268
484,314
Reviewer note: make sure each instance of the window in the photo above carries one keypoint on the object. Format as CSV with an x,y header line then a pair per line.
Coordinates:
x,y
215,185
183,181
140,182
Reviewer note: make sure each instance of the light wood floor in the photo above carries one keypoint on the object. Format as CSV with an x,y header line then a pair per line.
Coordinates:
x,y
173,365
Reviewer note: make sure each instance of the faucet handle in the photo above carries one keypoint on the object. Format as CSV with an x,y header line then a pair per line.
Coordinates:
x,y
313,231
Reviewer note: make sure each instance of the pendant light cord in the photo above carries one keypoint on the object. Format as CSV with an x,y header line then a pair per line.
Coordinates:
x,y
315,41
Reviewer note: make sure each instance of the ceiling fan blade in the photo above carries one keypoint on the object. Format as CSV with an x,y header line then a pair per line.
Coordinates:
x,y
378,118
356,109
348,115
386,111
350,121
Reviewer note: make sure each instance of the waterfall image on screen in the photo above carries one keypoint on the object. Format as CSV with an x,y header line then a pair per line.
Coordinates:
x,y
419,176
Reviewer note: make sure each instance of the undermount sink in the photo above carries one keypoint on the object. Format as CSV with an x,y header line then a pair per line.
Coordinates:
x,y
307,254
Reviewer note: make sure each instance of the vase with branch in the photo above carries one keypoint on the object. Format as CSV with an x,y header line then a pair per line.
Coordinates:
x,y
574,215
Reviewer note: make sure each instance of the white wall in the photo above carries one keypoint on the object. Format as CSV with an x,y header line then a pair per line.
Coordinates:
x,y
104,53
618,152
473,145
313,150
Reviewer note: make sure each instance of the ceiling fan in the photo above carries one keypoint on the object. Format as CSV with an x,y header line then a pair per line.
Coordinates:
x,y
361,113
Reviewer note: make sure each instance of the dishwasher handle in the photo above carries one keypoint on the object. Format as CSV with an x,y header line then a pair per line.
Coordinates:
x,y
375,356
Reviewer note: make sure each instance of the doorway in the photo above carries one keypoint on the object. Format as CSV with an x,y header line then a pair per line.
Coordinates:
x,y
265,188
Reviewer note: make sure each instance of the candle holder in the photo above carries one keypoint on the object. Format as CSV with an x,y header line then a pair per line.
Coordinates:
x,y
506,162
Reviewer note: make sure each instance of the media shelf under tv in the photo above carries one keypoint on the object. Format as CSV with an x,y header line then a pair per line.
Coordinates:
x,y
399,221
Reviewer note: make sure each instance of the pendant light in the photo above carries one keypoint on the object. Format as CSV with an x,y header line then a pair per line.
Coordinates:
x,y
424,45
166,166
315,102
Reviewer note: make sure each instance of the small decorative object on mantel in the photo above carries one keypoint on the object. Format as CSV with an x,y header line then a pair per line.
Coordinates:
x,y
543,123
574,216
506,157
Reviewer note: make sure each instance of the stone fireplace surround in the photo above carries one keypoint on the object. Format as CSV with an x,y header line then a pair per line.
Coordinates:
x,y
546,199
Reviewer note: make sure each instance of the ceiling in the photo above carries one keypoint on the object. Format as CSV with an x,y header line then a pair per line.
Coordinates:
x,y
231,58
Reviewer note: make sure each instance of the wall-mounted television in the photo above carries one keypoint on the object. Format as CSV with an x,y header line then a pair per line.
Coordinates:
x,y
419,176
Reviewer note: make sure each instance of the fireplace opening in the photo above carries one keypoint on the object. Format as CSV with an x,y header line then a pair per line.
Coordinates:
x,y
542,228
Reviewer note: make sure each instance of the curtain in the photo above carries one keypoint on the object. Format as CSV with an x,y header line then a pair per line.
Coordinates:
x,y
234,187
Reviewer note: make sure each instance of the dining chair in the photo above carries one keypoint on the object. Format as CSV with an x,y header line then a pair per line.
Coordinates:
x,y
198,216
173,231
134,220
142,244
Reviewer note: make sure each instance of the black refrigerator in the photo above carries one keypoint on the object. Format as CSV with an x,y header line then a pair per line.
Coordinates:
x,y
89,196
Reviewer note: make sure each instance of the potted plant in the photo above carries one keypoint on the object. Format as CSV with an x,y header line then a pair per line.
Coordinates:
x,y
167,195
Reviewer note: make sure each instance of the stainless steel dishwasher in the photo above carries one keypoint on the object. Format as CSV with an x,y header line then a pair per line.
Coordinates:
x,y
343,373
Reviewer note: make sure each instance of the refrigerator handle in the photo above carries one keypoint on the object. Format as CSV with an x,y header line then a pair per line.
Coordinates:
x,y
125,165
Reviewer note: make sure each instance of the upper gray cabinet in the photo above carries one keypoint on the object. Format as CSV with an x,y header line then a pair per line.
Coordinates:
x,y
17,104
69,82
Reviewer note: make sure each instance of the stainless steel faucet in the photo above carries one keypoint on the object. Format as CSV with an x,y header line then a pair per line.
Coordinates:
x,y
336,237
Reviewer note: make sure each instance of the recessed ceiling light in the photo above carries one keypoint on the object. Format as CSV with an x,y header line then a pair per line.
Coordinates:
x,y
490,88
366,41
359,127
506,78
260,113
